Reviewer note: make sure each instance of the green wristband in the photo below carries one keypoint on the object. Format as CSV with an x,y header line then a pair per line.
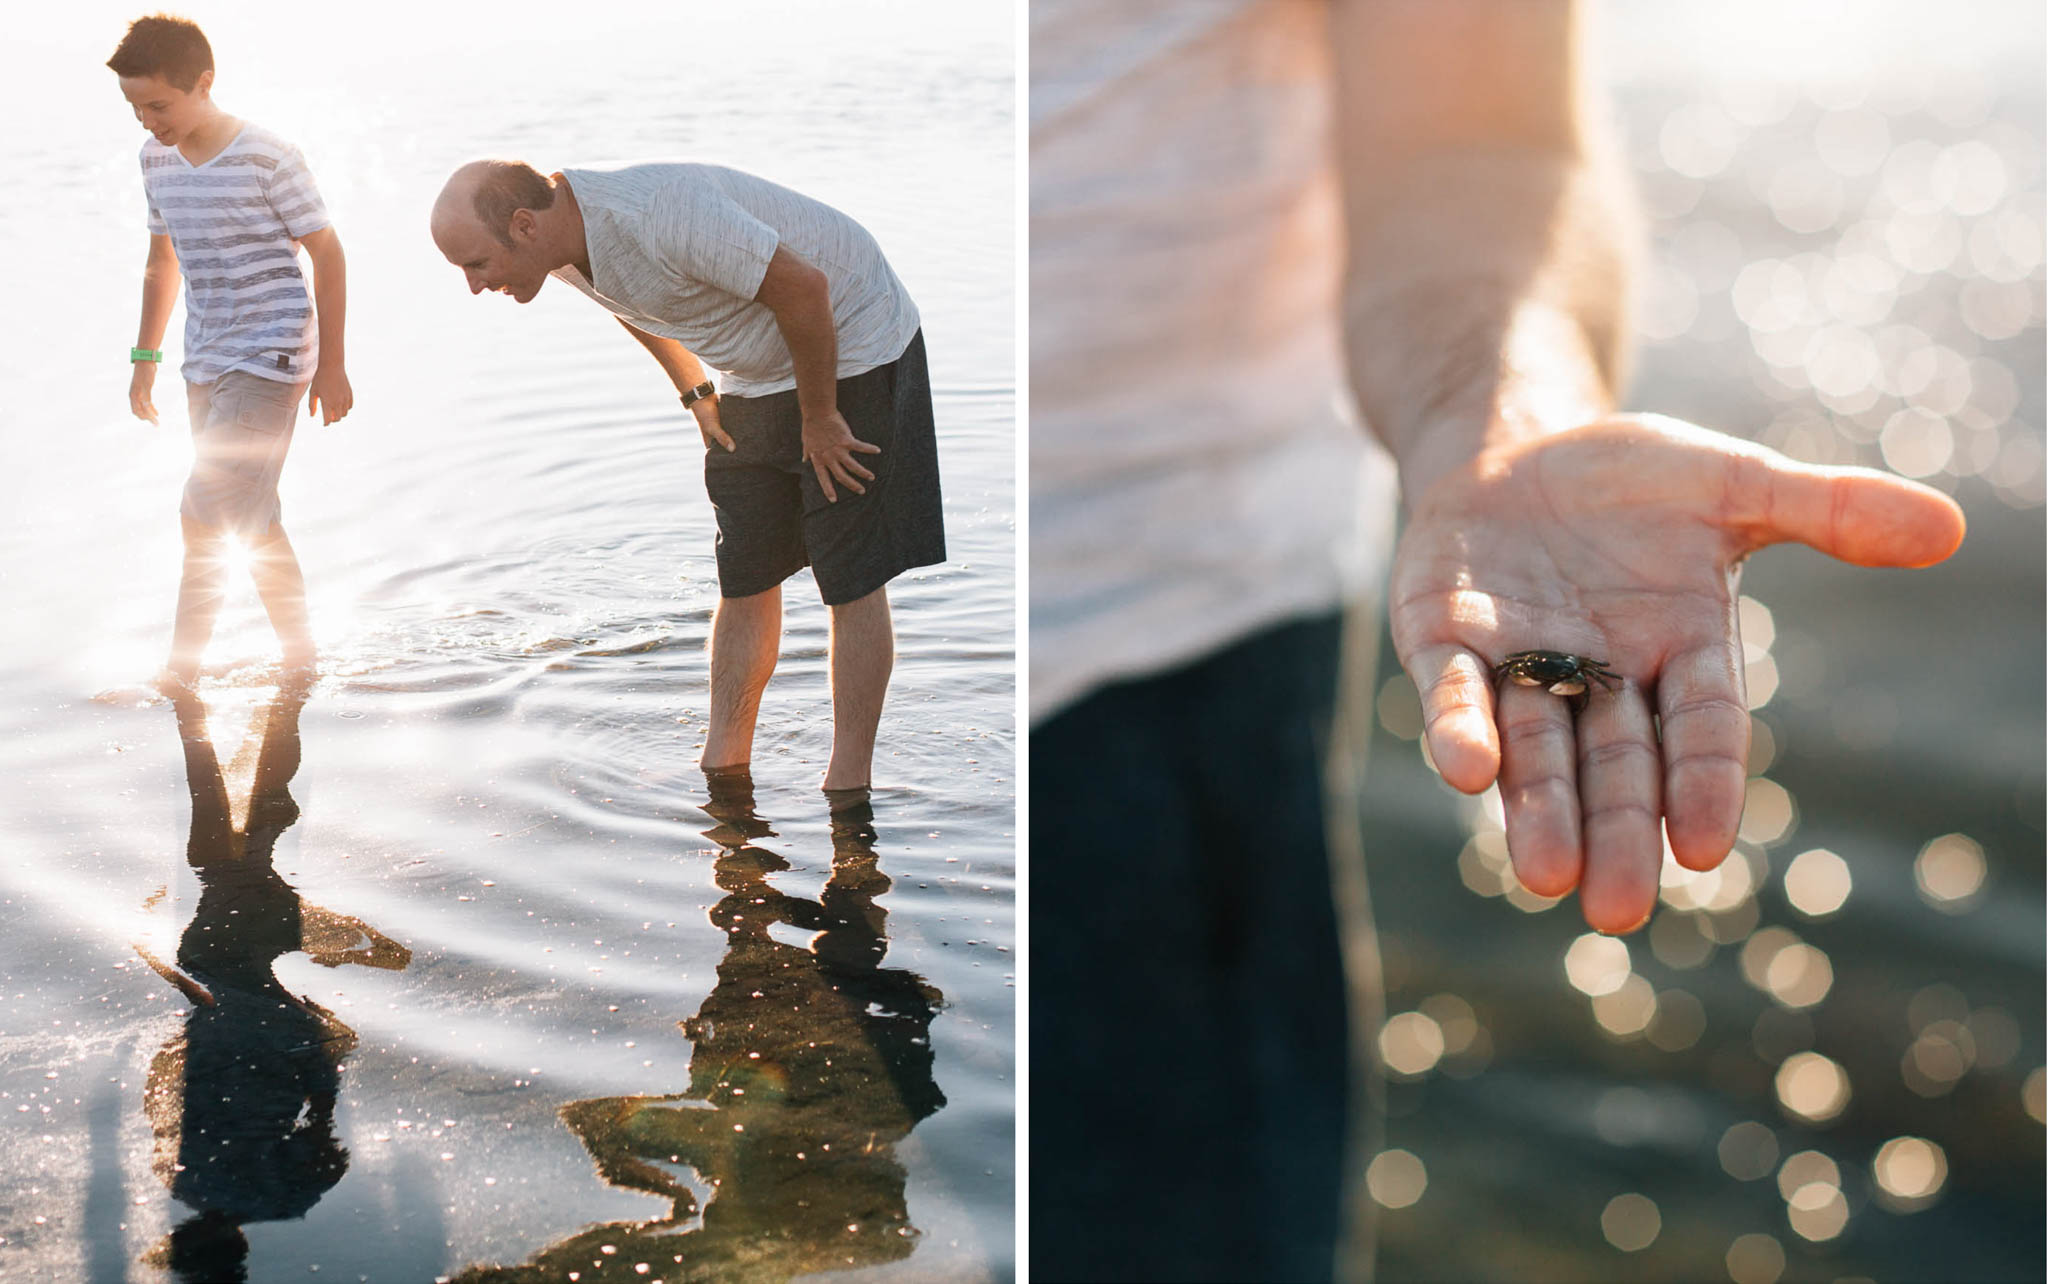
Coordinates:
x,y
144,354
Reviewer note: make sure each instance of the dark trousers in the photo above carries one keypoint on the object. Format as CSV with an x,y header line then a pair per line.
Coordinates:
x,y
1188,1035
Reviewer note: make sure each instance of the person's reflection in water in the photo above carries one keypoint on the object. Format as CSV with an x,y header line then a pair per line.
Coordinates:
x,y
242,1100
810,1065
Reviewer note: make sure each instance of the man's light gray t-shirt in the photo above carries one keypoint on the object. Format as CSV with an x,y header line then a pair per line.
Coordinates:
x,y
236,222
680,249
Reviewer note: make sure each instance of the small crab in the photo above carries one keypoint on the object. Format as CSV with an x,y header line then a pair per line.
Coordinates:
x,y
1564,674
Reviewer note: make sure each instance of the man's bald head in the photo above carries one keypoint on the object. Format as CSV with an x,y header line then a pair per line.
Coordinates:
x,y
489,191
500,223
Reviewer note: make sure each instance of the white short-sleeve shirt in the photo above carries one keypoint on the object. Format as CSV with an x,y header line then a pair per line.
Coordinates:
x,y
680,249
1197,469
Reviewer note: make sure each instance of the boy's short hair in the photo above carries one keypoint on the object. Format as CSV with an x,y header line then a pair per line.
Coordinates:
x,y
160,45
504,186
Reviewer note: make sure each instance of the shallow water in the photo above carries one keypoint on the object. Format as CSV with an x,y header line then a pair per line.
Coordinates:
x,y
1717,1102
487,970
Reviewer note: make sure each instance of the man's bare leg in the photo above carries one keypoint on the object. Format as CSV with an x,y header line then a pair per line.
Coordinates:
x,y
199,594
282,587
863,653
746,637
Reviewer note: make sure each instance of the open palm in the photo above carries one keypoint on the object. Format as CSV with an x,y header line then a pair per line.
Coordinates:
x,y
1619,541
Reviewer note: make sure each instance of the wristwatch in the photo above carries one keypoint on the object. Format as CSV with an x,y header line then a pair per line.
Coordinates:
x,y
145,354
698,393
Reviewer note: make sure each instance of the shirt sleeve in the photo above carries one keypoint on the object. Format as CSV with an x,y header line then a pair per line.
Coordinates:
x,y
157,226
294,197
704,235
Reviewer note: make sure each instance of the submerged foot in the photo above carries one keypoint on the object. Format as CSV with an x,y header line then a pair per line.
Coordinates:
x,y
176,681
297,672
849,798
731,803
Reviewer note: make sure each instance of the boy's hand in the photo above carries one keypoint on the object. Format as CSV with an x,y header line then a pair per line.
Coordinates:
x,y
829,446
329,394
141,386
706,410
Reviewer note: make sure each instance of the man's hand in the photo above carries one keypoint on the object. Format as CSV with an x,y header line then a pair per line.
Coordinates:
x,y
706,410
1619,541
141,391
829,447
329,394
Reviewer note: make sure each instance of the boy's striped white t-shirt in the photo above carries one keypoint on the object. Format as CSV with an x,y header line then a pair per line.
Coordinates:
x,y
235,222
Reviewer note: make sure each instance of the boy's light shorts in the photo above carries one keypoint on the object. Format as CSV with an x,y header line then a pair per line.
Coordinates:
x,y
241,429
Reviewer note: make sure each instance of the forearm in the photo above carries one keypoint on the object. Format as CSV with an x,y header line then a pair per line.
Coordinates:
x,y
1491,239
1488,306
680,364
330,302
813,342
159,296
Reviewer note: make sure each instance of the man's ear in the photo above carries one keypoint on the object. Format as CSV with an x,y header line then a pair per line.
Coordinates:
x,y
204,85
525,225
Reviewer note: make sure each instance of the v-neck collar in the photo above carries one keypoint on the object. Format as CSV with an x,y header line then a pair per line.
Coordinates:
x,y
241,128
589,251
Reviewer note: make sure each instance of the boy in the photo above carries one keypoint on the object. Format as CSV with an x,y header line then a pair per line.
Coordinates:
x,y
229,205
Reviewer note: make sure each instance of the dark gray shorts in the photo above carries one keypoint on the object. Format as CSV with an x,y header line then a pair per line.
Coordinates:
x,y
773,520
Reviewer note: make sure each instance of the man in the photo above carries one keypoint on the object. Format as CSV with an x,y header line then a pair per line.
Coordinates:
x,y
818,434
1238,208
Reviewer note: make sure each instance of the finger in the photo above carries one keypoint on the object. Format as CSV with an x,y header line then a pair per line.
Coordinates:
x,y
1456,687
1539,788
824,482
1706,751
1620,807
845,476
1859,515
865,448
723,439
853,466
312,402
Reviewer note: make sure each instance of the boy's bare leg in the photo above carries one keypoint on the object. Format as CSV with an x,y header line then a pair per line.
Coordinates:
x,y
746,637
863,653
274,566
199,595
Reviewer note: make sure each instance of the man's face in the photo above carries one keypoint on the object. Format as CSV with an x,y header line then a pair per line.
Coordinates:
x,y
488,263
167,112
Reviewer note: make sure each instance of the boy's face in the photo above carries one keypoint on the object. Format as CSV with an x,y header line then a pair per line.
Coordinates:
x,y
167,112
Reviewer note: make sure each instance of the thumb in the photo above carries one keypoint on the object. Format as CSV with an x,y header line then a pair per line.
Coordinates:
x,y
1859,515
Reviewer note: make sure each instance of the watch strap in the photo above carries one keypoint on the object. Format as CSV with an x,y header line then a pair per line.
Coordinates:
x,y
698,393
145,354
